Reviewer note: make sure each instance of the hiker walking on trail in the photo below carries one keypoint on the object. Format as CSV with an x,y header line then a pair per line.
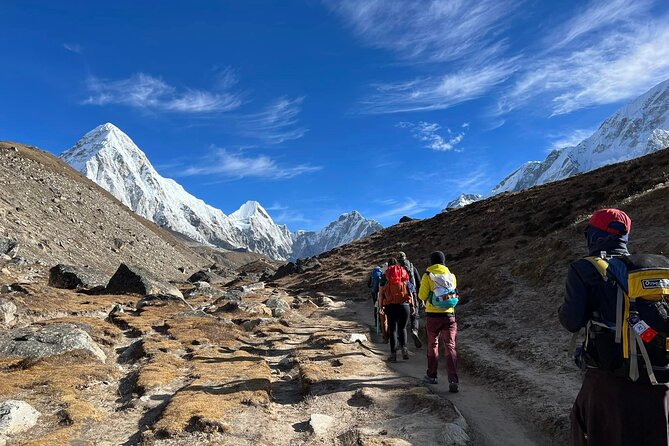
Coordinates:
x,y
396,305
373,283
414,280
438,291
620,300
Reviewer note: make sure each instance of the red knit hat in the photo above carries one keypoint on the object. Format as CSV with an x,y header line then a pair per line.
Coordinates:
x,y
613,221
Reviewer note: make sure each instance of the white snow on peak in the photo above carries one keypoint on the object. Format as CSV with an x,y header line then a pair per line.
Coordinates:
x,y
462,200
639,128
109,157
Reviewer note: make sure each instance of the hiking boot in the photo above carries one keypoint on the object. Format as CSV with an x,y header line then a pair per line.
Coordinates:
x,y
416,339
429,380
392,357
405,353
453,387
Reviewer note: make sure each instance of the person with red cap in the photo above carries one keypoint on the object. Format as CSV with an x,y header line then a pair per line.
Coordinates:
x,y
610,408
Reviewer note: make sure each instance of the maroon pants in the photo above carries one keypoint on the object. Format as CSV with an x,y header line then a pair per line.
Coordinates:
x,y
613,411
447,328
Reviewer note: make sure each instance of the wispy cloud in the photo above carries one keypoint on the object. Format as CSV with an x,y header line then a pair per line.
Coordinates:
x,y
276,123
570,139
237,166
599,64
434,31
289,216
408,206
73,48
427,132
437,93
148,92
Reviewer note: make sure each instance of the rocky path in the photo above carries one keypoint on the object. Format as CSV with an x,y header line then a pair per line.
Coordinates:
x,y
493,421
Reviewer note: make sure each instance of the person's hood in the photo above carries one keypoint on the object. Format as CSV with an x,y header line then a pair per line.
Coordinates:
x,y
601,241
438,269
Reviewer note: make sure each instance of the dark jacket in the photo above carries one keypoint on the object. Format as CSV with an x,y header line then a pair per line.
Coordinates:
x,y
588,296
414,275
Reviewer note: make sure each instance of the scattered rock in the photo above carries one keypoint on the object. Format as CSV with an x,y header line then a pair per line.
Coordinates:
x,y
303,265
253,287
355,337
201,276
284,270
254,308
455,435
320,423
8,246
406,219
40,341
324,301
278,306
72,277
135,280
8,312
16,417
201,285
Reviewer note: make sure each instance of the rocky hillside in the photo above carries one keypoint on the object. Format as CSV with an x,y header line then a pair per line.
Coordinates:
x,y
58,216
510,253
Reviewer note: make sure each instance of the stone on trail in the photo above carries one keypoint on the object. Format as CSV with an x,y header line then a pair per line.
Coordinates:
x,y
320,423
8,312
201,276
135,280
355,337
37,341
16,417
73,277
8,246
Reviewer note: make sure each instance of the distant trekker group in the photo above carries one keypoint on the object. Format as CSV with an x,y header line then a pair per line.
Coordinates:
x,y
399,292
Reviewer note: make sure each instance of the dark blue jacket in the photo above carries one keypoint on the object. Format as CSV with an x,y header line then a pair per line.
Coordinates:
x,y
586,291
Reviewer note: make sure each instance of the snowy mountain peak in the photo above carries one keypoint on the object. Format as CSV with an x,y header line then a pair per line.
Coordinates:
x,y
636,129
250,209
109,157
462,200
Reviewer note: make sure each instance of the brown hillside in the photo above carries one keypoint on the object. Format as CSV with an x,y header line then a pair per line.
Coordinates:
x,y
57,215
510,254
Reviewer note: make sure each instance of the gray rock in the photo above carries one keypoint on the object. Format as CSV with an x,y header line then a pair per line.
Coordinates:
x,y
136,280
320,424
40,341
73,277
8,312
16,417
254,308
202,285
201,276
8,246
253,287
278,306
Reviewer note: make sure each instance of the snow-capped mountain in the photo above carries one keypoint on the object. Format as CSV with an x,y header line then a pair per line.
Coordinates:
x,y
109,157
347,228
639,128
462,200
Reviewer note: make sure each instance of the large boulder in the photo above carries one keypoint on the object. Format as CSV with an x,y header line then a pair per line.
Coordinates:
x,y
39,341
136,280
7,246
16,417
201,276
278,306
74,277
8,312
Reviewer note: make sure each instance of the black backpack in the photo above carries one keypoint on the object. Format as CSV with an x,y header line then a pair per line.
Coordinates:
x,y
640,329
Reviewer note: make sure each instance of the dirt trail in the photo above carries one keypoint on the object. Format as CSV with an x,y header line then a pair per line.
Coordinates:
x,y
490,419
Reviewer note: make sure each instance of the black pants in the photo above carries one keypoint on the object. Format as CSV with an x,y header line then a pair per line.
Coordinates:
x,y
612,411
397,315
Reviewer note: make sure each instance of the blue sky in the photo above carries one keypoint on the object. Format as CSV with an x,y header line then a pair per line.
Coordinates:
x,y
314,108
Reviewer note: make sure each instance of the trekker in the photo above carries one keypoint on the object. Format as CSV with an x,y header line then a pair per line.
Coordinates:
x,y
373,283
438,291
618,299
414,278
396,305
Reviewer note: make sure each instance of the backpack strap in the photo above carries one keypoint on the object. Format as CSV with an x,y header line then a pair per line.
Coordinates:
x,y
600,265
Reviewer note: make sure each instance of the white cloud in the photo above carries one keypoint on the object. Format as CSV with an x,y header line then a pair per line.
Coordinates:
x,y
428,133
148,92
603,67
434,31
238,166
73,48
277,123
408,206
570,139
437,93
287,216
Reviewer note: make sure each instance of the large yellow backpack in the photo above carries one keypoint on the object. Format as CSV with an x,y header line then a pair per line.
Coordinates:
x,y
642,312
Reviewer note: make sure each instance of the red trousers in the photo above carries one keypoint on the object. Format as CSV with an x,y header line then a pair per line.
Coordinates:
x,y
446,328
